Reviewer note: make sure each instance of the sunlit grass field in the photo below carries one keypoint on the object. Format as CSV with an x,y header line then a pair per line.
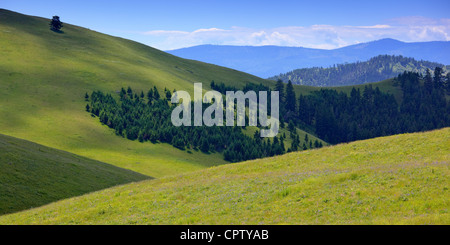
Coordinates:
x,y
43,79
401,179
44,76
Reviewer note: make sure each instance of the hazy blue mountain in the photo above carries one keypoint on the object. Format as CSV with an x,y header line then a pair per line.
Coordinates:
x,y
267,61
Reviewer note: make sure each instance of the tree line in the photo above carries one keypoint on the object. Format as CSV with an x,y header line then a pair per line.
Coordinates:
x,y
338,117
333,116
147,117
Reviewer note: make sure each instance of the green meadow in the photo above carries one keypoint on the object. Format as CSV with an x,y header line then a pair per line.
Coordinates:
x,y
44,76
401,179
65,167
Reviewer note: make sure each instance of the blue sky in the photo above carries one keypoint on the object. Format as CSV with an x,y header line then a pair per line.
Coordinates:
x,y
171,24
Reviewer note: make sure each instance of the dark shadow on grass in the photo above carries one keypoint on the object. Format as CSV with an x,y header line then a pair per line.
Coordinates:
x,y
57,31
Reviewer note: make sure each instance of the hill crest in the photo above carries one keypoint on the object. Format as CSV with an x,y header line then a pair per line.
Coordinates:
x,y
376,69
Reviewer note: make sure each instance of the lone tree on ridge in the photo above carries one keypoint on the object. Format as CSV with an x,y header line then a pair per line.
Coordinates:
x,y
56,24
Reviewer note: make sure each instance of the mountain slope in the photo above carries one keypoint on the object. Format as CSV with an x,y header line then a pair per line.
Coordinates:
x,y
376,69
268,61
401,179
44,76
33,175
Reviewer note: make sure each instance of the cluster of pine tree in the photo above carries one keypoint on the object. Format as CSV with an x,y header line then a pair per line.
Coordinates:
x,y
331,115
296,143
148,118
223,88
337,117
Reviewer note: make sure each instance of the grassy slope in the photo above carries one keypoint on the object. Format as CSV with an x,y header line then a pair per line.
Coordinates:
x,y
33,175
250,131
44,75
401,179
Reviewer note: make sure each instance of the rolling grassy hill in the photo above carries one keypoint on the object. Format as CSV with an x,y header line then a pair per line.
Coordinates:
x,y
401,179
44,76
33,175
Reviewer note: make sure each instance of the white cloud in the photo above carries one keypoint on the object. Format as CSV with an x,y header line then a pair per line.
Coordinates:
x,y
208,30
408,29
375,27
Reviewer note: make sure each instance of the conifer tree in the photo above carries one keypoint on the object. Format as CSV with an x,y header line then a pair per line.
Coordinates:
x,y
56,24
428,81
437,79
150,96
156,94
290,99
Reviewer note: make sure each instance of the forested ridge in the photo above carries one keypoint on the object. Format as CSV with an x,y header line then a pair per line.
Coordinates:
x,y
333,116
337,117
137,116
376,69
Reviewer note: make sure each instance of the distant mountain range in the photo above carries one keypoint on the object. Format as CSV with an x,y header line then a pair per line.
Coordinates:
x,y
376,69
268,61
